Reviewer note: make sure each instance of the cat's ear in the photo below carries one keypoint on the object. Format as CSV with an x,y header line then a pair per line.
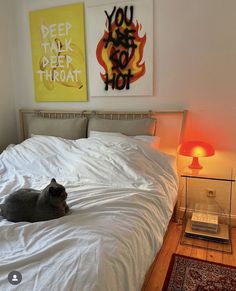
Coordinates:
x,y
53,180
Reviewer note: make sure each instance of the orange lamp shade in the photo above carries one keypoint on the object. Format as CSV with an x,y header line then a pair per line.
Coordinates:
x,y
196,149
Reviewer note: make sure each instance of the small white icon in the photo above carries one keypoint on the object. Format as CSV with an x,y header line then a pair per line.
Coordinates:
x,y
14,278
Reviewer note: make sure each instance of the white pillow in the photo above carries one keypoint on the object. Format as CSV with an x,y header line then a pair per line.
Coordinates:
x,y
93,133
153,141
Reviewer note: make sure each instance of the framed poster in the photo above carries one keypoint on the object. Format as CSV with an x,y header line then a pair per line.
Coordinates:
x,y
120,46
58,53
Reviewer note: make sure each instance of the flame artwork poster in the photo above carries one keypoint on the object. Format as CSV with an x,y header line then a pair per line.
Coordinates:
x,y
121,48
58,53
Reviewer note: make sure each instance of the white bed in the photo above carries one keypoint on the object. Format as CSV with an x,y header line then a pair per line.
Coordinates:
x,y
121,194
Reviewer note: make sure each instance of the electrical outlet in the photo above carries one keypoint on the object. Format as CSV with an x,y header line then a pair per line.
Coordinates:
x,y
211,192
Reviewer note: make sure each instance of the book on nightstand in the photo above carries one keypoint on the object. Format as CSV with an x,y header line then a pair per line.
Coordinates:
x,y
204,222
222,235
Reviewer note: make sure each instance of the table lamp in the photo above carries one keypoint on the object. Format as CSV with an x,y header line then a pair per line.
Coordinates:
x,y
196,149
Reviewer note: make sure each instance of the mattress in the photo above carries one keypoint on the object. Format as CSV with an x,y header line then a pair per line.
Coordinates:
x,y
121,194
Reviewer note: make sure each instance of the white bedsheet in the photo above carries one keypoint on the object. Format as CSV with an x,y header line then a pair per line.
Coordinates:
x,y
121,195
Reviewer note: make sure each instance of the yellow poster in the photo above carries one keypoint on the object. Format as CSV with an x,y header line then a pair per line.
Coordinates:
x,y
58,53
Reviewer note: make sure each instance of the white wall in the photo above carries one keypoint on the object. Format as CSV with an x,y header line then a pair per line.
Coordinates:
x,y
7,109
194,68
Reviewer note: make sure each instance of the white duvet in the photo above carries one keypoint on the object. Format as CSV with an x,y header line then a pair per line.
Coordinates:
x,y
121,195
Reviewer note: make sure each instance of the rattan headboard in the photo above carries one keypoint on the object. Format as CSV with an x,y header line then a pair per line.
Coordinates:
x,y
170,124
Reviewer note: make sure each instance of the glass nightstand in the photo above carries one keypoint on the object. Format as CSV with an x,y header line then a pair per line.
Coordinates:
x,y
207,216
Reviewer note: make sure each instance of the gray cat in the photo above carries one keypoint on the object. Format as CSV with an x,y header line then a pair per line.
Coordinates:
x,y
33,205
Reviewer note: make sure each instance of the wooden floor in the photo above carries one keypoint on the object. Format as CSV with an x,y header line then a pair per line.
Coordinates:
x,y
171,245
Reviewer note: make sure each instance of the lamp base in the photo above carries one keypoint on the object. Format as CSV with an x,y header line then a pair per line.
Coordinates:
x,y
195,164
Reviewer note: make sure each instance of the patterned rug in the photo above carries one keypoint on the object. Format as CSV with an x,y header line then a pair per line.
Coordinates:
x,y
188,274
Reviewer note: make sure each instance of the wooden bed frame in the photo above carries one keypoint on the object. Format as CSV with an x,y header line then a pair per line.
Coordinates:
x,y
167,122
